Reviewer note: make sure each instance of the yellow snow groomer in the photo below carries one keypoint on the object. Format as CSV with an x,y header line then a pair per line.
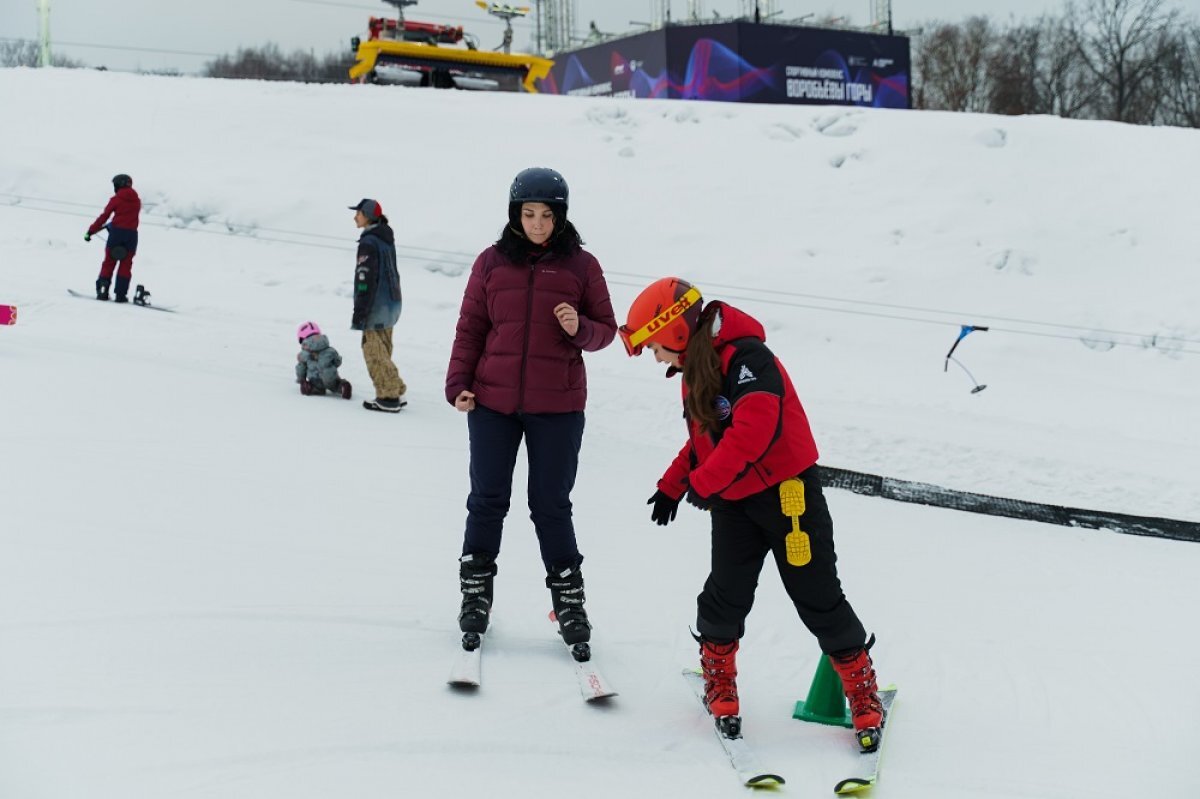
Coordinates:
x,y
408,53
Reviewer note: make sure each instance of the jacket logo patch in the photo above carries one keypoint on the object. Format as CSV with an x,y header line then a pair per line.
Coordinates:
x,y
722,407
745,376
362,259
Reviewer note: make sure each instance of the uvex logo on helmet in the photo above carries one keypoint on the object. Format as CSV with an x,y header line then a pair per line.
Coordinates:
x,y
664,318
665,313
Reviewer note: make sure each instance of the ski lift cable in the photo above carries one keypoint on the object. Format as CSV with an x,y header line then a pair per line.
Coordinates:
x,y
469,258
229,225
243,235
957,314
898,317
641,284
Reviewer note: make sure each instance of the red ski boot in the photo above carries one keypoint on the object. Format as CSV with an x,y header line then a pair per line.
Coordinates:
x,y
857,671
719,662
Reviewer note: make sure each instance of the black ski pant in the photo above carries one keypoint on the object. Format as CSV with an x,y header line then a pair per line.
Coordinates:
x,y
744,532
552,443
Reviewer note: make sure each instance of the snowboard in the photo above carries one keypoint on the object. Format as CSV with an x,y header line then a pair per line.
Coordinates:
x,y
92,296
8,314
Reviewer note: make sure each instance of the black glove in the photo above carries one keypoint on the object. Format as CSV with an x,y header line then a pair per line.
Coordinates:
x,y
665,508
695,499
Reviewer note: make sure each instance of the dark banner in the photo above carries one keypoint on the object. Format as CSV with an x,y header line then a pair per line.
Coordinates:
x,y
632,67
807,65
742,62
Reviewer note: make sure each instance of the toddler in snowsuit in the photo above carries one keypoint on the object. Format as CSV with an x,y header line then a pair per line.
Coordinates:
x,y
317,363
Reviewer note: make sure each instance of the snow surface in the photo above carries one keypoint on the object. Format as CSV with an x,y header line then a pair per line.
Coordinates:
x,y
211,586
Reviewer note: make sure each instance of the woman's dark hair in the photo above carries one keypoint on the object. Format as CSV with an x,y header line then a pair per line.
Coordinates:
x,y
564,241
702,371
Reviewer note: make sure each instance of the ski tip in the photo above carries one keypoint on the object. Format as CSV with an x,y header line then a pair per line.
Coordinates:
x,y
852,785
765,781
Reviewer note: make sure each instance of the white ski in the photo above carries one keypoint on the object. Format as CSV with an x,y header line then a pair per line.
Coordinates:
x,y
468,666
741,756
868,762
592,684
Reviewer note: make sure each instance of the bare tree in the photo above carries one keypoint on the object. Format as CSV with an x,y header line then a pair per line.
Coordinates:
x,y
951,66
1178,83
1012,70
1034,68
1064,84
1123,43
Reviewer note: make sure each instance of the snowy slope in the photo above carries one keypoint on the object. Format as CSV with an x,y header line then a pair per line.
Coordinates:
x,y
211,586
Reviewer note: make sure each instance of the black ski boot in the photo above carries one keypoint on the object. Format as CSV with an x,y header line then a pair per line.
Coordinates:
x,y
566,592
102,288
121,289
475,574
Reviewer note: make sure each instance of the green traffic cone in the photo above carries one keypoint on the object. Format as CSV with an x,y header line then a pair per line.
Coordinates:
x,y
826,702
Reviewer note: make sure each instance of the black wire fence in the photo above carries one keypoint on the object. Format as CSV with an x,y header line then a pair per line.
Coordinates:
x,y
874,485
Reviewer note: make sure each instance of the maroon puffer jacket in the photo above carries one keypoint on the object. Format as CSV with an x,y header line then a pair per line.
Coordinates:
x,y
509,348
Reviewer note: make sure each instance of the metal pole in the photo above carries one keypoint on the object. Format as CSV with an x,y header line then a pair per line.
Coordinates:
x,y
44,13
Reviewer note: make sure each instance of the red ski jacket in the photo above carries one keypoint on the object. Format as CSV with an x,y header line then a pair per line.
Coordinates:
x,y
509,348
124,208
762,435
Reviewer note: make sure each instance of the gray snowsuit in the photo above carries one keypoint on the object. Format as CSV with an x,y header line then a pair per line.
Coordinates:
x,y
318,363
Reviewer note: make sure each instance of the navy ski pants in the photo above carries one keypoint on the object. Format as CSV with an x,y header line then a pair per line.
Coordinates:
x,y
552,442
744,532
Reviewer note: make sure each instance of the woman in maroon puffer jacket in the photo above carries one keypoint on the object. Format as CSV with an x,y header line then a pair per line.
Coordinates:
x,y
534,303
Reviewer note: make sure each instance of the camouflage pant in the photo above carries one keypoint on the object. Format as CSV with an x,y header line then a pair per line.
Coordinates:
x,y
377,350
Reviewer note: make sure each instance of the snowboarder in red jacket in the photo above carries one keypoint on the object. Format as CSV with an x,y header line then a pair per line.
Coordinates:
x,y
124,208
750,460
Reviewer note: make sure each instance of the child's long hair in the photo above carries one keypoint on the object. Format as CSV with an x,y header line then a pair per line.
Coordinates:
x,y
702,371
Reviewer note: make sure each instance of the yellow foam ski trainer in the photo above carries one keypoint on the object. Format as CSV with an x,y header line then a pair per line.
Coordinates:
x,y
791,502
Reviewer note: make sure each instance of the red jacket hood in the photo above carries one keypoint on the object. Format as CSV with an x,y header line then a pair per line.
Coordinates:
x,y
736,324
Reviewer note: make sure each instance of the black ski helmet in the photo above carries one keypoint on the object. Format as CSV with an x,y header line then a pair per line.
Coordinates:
x,y
122,181
539,185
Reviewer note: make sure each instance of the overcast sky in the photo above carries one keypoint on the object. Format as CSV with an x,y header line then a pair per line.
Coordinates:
x,y
126,34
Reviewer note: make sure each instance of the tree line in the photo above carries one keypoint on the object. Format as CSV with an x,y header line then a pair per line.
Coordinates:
x,y
255,63
1135,61
271,63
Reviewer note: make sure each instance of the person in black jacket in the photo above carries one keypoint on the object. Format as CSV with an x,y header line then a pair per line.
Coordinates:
x,y
377,303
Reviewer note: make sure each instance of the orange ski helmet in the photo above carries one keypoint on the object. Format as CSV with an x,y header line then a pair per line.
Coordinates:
x,y
665,313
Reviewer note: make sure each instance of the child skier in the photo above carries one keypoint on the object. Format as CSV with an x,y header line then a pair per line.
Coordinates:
x,y
124,208
317,367
750,459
